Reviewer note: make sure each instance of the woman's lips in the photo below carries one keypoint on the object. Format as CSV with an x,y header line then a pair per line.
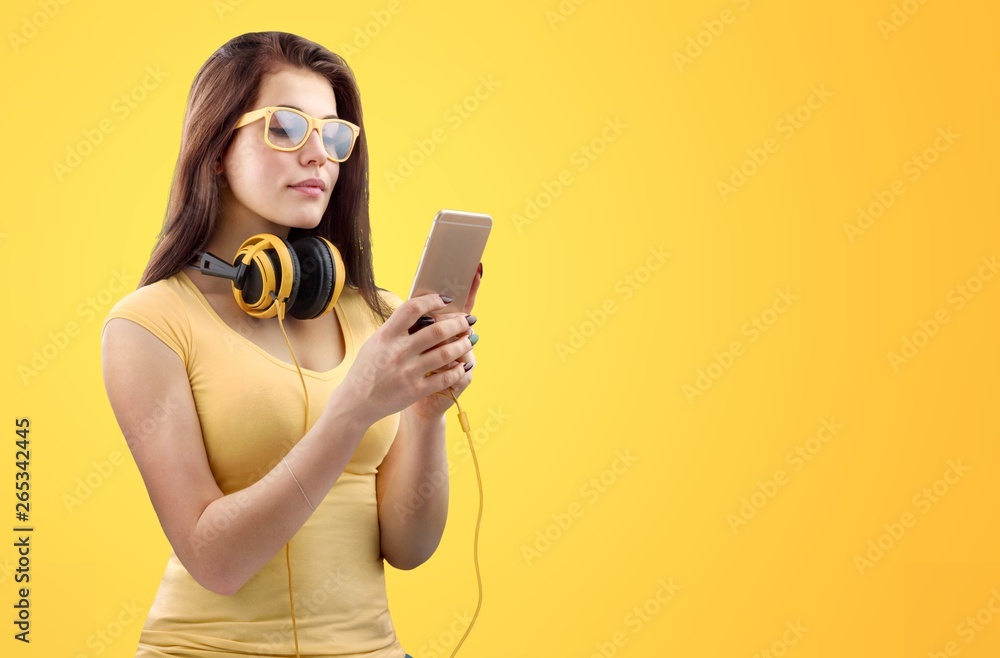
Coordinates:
x,y
308,190
312,187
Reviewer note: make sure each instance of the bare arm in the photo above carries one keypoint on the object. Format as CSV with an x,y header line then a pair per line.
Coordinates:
x,y
223,540
412,482
412,491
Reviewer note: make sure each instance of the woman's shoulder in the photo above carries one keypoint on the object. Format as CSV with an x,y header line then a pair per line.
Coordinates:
x,y
161,308
360,314
351,296
159,295
391,298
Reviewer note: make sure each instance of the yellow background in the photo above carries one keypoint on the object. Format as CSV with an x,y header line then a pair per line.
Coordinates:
x,y
588,340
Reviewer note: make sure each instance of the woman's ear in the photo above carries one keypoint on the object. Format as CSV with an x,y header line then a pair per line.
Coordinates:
x,y
217,167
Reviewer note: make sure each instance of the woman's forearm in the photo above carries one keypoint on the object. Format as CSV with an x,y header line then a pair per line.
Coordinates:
x,y
237,534
414,507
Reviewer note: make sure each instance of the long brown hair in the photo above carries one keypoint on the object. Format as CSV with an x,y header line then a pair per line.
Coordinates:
x,y
225,87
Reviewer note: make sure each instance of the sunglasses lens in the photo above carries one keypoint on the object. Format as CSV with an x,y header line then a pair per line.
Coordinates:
x,y
338,139
287,129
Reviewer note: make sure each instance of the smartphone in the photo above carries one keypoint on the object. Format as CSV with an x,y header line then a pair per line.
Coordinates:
x,y
451,257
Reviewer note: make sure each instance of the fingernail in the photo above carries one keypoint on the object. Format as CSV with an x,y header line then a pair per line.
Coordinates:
x,y
480,270
445,298
468,367
472,319
474,338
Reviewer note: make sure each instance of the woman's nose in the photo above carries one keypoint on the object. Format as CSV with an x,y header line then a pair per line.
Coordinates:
x,y
313,149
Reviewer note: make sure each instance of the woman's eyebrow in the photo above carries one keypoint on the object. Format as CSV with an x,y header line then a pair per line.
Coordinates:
x,y
328,116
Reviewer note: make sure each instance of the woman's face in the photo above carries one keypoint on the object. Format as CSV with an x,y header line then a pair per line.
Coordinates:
x,y
271,191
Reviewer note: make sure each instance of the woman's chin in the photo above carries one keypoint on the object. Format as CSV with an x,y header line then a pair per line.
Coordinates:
x,y
305,223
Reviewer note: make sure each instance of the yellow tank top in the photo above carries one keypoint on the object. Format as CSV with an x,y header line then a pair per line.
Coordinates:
x,y
251,406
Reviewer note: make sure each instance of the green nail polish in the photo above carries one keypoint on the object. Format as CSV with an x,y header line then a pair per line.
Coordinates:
x,y
474,338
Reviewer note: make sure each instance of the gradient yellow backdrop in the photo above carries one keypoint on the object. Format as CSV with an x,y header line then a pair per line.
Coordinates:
x,y
737,389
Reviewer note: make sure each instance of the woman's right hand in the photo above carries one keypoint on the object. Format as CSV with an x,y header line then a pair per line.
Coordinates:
x,y
390,371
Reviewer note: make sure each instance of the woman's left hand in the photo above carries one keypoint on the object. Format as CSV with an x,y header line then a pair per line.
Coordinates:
x,y
435,405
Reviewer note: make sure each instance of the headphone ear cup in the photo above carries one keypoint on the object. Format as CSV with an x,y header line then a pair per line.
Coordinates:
x,y
272,267
321,275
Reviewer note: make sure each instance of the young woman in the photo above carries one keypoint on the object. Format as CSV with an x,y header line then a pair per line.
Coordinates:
x,y
286,457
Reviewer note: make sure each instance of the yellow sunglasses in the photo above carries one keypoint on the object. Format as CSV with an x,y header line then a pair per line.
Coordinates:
x,y
287,129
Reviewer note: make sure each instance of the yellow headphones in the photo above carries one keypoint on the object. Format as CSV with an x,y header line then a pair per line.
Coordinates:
x,y
308,274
